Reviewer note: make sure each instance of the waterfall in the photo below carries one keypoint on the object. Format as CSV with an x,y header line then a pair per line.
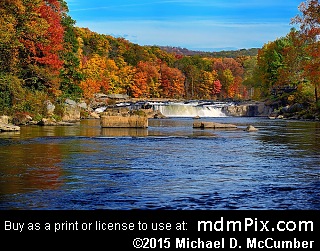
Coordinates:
x,y
192,109
178,109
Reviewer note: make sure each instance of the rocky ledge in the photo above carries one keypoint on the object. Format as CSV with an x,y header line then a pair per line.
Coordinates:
x,y
8,127
5,126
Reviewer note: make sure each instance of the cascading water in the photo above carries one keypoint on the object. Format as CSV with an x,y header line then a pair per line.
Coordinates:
x,y
179,109
190,109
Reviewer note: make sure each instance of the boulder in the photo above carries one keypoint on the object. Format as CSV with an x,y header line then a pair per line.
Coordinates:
x,y
47,122
251,128
72,112
158,115
50,107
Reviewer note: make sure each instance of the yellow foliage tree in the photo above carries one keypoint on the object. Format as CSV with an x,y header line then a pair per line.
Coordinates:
x,y
96,76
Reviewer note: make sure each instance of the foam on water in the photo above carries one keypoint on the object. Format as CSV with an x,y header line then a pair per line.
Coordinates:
x,y
190,110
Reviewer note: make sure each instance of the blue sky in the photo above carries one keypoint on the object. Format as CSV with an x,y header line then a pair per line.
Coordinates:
x,y
209,25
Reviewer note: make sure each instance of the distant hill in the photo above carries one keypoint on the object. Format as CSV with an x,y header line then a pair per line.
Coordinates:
x,y
218,54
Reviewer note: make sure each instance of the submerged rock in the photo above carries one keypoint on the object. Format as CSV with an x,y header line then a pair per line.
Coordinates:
x,y
213,125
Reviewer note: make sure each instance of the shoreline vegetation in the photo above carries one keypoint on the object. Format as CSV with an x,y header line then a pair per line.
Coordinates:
x,y
117,113
54,80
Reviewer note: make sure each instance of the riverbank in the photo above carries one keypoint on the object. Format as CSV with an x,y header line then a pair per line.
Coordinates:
x,y
71,112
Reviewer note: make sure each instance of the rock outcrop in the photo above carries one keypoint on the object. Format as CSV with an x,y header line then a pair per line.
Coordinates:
x,y
254,109
71,111
6,126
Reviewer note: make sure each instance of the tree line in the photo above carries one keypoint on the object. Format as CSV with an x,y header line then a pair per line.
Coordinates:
x,y
45,56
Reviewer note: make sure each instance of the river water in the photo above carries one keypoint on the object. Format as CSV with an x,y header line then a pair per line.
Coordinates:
x,y
169,165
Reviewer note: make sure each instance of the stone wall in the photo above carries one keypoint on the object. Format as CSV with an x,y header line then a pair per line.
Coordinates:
x,y
133,121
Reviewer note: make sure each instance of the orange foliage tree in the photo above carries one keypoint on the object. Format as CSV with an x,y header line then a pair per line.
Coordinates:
x,y
146,80
172,82
139,87
96,75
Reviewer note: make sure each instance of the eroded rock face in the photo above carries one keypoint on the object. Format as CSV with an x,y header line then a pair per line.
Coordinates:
x,y
248,110
72,111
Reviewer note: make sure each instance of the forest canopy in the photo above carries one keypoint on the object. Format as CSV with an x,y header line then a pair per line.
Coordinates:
x,y
45,56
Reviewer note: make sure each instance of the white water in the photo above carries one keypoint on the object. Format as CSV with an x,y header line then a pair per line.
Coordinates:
x,y
190,110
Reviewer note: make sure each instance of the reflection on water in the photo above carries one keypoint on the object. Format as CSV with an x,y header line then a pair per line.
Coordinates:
x,y
124,132
169,165
29,166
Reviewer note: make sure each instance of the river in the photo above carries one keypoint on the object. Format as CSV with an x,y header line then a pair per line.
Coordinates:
x,y
170,165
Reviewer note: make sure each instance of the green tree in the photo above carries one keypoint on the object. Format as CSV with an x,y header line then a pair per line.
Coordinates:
x,y
70,73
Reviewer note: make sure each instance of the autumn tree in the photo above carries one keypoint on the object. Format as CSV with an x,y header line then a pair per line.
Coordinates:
x,y
139,88
216,87
209,85
135,54
189,66
309,21
98,75
230,73
172,82
146,80
41,35
163,56
10,12
31,40
126,75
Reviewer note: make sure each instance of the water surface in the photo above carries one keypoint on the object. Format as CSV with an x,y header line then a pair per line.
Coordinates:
x,y
169,165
